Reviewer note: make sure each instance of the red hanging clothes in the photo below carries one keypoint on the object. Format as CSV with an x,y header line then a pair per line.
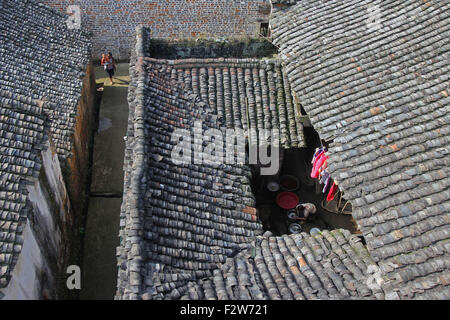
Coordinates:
x,y
316,154
333,190
320,160
322,168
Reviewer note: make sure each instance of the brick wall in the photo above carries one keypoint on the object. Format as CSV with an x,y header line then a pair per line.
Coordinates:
x,y
113,22
84,129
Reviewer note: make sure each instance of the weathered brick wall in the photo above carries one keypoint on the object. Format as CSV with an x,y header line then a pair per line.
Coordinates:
x,y
113,22
84,127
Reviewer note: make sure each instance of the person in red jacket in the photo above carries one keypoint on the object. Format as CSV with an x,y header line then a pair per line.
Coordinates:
x,y
109,64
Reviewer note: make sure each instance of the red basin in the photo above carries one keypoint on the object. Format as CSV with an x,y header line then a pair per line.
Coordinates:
x,y
287,200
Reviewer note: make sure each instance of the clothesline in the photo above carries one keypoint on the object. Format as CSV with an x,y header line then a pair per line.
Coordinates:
x,y
320,171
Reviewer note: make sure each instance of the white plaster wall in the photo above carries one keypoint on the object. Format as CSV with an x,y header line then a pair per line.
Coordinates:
x,y
55,177
24,284
26,277
41,208
42,205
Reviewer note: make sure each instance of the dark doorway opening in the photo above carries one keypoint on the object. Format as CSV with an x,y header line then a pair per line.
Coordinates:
x,y
265,30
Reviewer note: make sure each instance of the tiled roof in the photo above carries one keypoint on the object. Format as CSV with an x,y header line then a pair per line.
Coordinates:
x,y
330,265
21,136
190,231
178,222
42,59
235,88
41,69
374,81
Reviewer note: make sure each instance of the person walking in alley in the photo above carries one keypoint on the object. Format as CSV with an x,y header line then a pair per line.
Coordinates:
x,y
109,63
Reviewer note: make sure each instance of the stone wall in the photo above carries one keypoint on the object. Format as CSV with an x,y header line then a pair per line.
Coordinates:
x,y
204,49
113,22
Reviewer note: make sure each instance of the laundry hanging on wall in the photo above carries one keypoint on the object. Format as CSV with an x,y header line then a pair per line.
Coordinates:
x,y
320,171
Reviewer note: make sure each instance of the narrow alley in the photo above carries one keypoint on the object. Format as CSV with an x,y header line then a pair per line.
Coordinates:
x,y
102,228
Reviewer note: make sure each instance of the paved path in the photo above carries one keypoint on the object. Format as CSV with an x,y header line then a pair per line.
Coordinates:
x,y
102,228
